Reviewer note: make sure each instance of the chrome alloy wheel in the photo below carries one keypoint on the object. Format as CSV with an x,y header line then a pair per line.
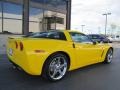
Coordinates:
x,y
109,56
58,68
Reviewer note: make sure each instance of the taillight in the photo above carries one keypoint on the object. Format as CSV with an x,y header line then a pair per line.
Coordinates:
x,y
21,46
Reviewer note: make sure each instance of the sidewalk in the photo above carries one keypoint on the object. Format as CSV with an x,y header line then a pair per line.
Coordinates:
x,y
3,40
2,50
116,45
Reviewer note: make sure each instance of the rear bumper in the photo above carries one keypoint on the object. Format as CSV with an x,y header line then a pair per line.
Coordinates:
x,y
31,65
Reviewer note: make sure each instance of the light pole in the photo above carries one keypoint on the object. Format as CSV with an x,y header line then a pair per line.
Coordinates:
x,y
82,27
106,15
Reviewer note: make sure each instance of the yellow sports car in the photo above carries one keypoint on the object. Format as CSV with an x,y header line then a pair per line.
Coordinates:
x,y
53,53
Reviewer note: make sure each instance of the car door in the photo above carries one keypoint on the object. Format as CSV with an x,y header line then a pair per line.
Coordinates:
x,y
85,50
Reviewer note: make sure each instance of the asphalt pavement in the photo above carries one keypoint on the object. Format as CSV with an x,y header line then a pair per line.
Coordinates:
x,y
94,77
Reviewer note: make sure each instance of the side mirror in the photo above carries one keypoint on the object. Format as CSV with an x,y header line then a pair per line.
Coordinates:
x,y
94,43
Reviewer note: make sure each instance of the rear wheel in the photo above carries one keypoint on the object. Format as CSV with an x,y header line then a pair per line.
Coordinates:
x,y
109,56
55,67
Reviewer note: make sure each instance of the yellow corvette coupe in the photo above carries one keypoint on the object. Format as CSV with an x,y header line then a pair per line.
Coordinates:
x,y
53,53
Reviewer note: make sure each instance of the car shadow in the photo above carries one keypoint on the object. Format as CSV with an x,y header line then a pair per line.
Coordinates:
x,y
16,79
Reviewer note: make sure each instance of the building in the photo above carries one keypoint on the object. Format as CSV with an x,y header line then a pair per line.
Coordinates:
x,y
24,16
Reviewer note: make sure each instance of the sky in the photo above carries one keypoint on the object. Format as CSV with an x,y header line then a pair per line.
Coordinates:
x,y
89,13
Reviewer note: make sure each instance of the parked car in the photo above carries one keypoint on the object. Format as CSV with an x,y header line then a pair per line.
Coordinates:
x,y
99,38
114,38
53,53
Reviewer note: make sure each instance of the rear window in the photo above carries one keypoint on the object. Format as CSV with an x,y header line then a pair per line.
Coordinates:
x,y
49,35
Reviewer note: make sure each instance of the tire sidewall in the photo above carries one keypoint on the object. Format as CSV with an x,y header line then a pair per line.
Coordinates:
x,y
45,73
106,59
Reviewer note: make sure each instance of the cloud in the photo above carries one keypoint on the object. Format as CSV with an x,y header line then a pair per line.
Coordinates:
x,y
89,12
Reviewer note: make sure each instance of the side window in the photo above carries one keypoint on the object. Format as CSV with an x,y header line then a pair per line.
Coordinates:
x,y
81,38
56,35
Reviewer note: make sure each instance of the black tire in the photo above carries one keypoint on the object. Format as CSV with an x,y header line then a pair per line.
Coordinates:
x,y
109,56
52,66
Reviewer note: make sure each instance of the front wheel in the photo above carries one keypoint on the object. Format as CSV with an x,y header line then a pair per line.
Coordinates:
x,y
109,56
55,67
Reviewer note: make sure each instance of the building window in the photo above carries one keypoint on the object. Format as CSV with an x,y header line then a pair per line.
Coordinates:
x,y
55,13
47,15
59,20
56,5
0,16
12,17
35,19
54,20
43,15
